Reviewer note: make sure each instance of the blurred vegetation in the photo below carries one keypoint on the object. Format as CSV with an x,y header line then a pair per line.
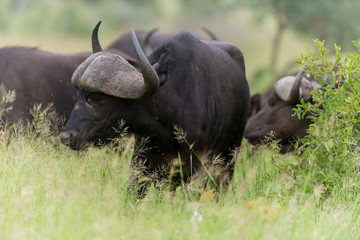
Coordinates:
x,y
324,19
331,148
333,20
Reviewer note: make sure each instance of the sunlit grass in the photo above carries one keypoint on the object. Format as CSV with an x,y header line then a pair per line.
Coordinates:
x,y
51,192
53,189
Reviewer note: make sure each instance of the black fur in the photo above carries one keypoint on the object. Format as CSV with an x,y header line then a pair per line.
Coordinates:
x,y
38,77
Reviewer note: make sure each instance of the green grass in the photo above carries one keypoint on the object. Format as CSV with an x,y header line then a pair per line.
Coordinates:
x,y
51,192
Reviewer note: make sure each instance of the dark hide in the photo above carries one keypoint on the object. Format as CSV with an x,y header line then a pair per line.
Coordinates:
x,y
258,102
203,90
38,77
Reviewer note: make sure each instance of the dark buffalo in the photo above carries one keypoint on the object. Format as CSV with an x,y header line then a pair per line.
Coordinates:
x,y
276,117
190,84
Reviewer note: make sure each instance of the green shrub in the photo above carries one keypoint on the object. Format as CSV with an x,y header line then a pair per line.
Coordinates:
x,y
330,151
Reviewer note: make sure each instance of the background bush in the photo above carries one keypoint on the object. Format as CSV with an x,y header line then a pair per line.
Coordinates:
x,y
331,149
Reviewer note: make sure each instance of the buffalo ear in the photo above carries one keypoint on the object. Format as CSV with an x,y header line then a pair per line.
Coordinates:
x,y
132,62
255,104
161,67
306,88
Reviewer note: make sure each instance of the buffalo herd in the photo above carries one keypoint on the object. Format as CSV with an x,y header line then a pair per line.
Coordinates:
x,y
181,96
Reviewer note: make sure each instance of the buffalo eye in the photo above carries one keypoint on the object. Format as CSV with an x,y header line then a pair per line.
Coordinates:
x,y
272,101
94,99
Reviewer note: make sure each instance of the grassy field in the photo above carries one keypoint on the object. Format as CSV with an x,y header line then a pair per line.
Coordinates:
x,y
51,192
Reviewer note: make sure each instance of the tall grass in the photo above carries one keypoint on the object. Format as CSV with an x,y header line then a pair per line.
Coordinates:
x,y
51,192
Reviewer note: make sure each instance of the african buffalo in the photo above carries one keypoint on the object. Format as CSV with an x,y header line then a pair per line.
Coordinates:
x,y
276,117
196,86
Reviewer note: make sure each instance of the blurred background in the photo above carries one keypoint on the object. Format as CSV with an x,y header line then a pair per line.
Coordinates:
x,y
271,33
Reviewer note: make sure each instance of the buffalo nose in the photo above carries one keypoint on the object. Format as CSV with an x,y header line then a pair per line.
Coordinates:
x,y
66,137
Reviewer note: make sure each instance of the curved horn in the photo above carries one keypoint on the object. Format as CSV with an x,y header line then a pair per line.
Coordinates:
x,y
327,76
145,43
151,79
294,92
149,34
96,47
210,33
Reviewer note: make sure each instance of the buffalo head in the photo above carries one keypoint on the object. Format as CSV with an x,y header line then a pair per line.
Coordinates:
x,y
277,116
106,81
